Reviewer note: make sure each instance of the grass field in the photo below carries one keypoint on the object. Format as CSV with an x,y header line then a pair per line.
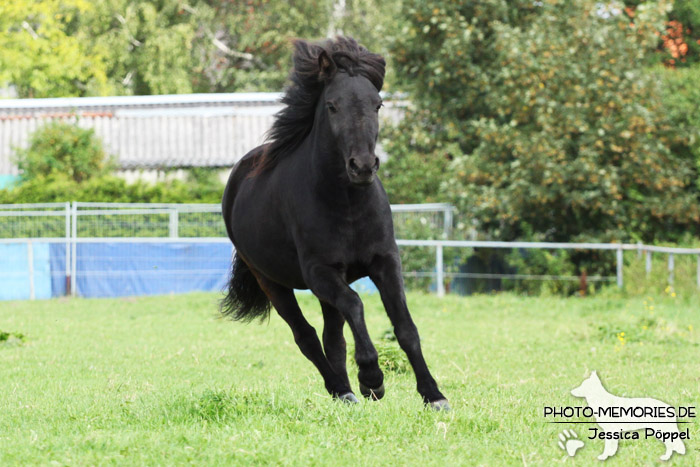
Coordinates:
x,y
163,381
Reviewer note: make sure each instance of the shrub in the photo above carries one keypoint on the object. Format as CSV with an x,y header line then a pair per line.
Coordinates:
x,y
63,148
57,188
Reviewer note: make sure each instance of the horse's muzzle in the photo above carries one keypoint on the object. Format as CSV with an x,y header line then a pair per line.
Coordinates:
x,y
362,171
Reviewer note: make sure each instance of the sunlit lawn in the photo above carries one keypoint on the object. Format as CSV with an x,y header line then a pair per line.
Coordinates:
x,y
164,381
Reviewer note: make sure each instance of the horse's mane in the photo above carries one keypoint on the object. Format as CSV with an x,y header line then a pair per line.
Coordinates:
x,y
294,122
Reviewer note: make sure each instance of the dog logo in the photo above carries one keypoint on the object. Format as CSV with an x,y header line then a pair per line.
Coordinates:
x,y
623,417
569,442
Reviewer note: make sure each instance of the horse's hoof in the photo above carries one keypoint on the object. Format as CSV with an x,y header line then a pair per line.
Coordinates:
x,y
440,405
374,394
348,398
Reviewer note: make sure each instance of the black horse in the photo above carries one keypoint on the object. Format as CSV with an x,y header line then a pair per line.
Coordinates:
x,y
306,211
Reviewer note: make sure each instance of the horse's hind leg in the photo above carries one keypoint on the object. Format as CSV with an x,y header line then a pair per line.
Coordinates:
x,y
305,337
334,340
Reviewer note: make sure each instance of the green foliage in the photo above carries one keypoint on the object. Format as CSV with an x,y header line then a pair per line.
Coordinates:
x,y
59,188
109,188
389,355
419,262
681,95
149,46
542,263
64,162
245,46
76,47
11,339
60,148
657,282
5,336
415,169
43,56
561,132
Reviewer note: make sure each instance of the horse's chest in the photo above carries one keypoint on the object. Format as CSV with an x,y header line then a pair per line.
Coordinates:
x,y
345,241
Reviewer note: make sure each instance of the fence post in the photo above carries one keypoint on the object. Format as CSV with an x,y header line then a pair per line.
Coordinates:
x,y
447,219
174,221
440,271
68,248
670,269
30,259
74,250
619,267
648,265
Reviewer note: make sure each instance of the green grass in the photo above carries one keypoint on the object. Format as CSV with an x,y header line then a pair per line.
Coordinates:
x,y
163,381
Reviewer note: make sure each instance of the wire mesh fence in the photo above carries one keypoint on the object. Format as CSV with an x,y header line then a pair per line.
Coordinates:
x,y
148,220
113,249
34,220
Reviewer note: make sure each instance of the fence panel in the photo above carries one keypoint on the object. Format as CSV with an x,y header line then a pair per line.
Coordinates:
x,y
117,249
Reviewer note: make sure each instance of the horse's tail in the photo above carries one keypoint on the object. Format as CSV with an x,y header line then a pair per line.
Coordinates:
x,y
244,300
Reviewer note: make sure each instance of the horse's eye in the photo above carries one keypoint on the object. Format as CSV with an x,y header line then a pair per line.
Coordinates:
x,y
331,107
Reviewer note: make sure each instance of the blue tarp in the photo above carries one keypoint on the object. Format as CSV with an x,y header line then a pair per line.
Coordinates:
x,y
58,269
126,269
121,269
364,285
15,283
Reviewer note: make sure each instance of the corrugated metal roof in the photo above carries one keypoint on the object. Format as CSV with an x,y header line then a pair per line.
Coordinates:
x,y
142,101
184,130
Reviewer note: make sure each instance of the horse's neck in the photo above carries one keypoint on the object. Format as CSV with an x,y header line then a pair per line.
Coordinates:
x,y
325,163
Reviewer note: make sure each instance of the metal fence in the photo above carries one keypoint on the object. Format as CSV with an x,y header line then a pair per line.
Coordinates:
x,y
86,248
618,248
157,243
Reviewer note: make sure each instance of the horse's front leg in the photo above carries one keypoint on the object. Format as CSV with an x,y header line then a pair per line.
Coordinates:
x,y
330,287
334,340
305,336
385,272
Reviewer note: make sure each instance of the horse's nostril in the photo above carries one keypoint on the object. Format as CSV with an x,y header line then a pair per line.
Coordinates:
x,y
353,164
376,163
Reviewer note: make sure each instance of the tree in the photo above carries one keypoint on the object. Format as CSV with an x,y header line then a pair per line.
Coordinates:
x,y
246,45
560,128
40,54
80,47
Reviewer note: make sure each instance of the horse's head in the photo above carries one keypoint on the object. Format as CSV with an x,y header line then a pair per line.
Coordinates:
x,y
351,103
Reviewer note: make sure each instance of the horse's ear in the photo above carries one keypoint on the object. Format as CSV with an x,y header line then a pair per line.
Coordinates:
x,y
326,66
